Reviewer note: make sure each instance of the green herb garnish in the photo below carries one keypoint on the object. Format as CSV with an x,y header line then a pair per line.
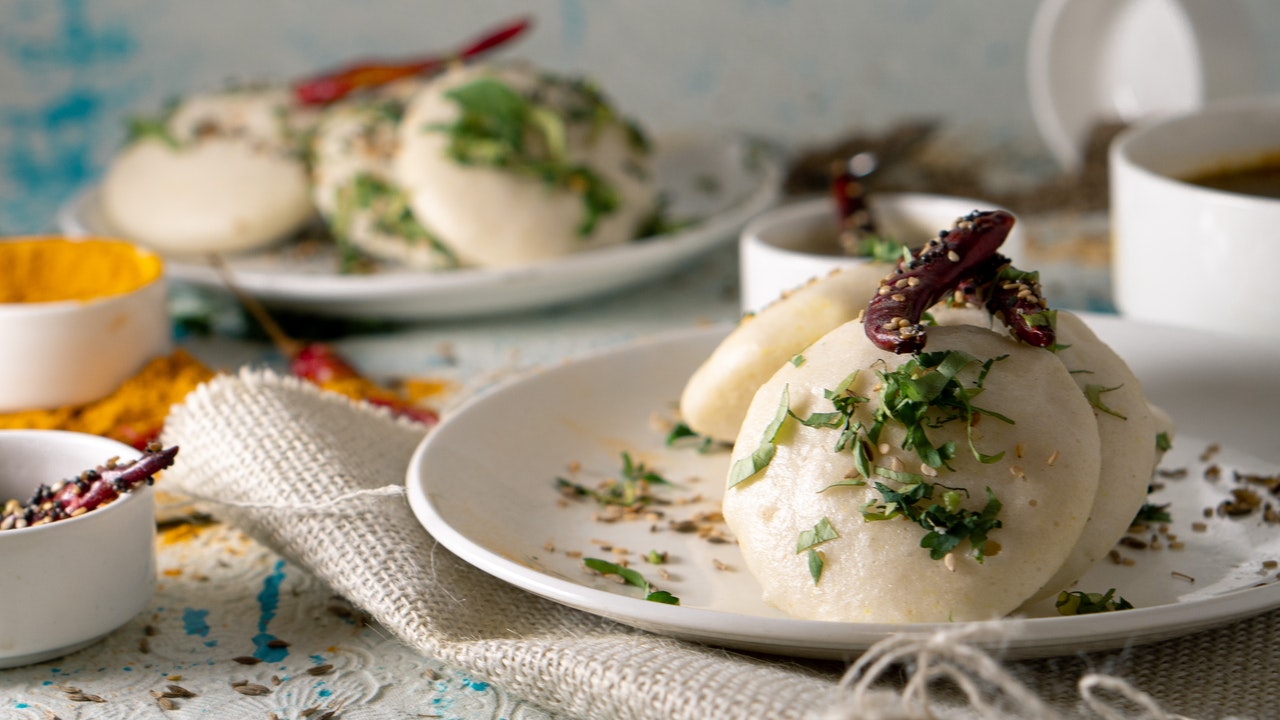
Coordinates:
x,y
631,490
682,435
879,248
386,208
925,393
747,467
1163,442
1152,513
947,522
816,564
502,128
632,577
1094,394
1083,603
820,533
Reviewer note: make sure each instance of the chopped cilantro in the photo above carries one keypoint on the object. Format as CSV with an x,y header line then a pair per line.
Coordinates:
x,y
1163,443
653,557
631,490
816,564
502,128
947,523
820,533
386,209
632,577
925,392
879,248
1152,513
682,435
1083,603
745,468
798,360
1094,394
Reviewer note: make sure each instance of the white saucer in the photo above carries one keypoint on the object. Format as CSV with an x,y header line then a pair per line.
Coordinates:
x,y
1097,61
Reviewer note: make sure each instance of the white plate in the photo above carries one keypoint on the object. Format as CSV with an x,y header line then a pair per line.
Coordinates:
x,y
722,181
482,484
1093,61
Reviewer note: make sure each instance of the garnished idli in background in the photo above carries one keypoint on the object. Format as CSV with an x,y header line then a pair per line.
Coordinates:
x,y
355,190
507,166
223,172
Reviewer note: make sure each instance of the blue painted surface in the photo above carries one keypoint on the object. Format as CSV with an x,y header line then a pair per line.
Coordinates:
x,y
195,621
268,603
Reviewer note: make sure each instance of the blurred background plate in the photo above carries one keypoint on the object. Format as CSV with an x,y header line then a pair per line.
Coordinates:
x,y
718,182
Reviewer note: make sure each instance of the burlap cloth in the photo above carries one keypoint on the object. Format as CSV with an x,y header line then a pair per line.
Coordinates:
x,y
320,481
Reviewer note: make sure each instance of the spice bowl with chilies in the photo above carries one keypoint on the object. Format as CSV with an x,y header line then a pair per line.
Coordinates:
x,y
78,317
77,540
863,235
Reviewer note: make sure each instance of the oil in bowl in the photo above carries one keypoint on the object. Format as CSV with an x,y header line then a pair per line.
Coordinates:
x,y
1259,176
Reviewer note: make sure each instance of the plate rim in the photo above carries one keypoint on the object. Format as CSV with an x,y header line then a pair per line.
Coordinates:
x,y
1017,637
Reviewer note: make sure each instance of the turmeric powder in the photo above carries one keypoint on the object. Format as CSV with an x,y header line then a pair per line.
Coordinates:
x,y
50,269
134,413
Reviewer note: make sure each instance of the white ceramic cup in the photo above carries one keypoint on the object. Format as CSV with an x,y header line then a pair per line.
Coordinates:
x,y
1187,255
787,246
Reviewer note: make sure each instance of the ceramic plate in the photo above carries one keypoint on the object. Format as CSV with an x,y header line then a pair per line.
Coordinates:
x,y
720,182
1100,61
483,483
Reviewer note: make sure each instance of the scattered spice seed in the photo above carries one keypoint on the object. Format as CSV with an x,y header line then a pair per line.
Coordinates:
x,y
277,643
1173,474
275,680
252,689
166,704
1209,452
84,697
720,565
247,659
320,669
150,630
1182,576
308,712
179,691
144,646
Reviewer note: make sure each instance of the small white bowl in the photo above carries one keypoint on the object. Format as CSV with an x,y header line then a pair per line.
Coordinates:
x,y
68,583
786,247
1188,255
72,352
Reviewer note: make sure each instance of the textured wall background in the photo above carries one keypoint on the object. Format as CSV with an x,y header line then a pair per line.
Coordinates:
x,y
801,71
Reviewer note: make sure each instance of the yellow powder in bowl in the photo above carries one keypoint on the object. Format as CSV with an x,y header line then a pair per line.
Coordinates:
x,y
38,270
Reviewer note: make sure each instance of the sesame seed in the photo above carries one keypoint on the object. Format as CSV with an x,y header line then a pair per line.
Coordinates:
x,y
950,561
898,297
953,256
1053,458
913,281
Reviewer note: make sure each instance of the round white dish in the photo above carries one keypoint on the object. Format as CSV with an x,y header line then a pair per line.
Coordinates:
x,y
70,582
1100,61
56,350
1171,237
791,244
721,181
501,512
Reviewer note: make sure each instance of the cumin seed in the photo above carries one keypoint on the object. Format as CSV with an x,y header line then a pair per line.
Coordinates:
x,y
320,669
246,660
179,691
166,704
252,689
